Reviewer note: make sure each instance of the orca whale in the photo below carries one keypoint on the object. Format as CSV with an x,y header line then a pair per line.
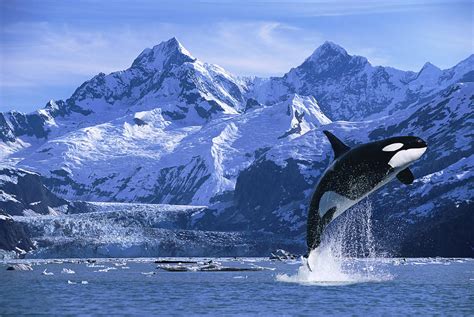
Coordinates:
x,y
355,173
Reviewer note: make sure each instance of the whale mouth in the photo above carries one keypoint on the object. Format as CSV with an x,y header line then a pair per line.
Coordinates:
x,y
421,143
405,157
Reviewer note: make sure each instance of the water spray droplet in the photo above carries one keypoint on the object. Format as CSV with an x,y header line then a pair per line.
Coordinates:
x,y
335,261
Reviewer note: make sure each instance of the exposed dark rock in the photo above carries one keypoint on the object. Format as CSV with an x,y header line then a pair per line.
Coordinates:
x,y
15,124
264,188
139,122
449,234
178,187
13,236
22,190
251,103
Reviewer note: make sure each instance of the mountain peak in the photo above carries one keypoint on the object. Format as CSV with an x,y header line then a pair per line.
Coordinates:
x,y
165,54
328,50
330,60
173,45
429,73
430,67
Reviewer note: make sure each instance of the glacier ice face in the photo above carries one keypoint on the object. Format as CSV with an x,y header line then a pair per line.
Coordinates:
x,y
137,230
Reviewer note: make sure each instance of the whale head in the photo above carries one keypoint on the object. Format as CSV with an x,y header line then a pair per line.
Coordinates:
x,y
403,151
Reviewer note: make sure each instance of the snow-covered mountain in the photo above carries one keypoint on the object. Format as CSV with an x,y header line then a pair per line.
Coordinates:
x,y
165,77
350,88
171,129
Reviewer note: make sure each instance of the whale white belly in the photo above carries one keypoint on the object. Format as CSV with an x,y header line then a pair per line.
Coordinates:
x,y
332,199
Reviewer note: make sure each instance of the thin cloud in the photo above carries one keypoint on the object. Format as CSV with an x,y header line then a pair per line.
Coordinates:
x,y
258,48
63,54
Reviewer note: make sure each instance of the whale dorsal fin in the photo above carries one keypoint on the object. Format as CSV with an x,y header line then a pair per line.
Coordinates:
x,y
338,146
406,176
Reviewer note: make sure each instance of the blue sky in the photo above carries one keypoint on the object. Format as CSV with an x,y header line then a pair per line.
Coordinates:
x,y
48,48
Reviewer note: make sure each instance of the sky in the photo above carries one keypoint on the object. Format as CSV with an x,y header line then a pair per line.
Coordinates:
x,y
49,48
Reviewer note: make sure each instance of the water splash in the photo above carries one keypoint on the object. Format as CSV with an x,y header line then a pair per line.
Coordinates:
x,y
335,261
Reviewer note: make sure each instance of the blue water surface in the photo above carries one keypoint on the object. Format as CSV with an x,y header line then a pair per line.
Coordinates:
x,y
137,287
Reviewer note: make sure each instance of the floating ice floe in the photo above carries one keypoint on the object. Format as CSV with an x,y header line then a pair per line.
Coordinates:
x,y
175,262
20,267
120,264
282,255
210,267
67,271
106,269
45,272
397,262
73,283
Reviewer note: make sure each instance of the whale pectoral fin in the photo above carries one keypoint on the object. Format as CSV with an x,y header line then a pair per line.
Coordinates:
x,y
406,176
328,216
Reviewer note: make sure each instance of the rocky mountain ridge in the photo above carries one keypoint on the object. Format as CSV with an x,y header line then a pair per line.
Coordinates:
x,y
171,129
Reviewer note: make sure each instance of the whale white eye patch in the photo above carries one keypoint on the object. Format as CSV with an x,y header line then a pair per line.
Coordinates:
x,y
392,147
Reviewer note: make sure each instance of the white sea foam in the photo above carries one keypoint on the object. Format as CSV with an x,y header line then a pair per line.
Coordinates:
x,y
330,263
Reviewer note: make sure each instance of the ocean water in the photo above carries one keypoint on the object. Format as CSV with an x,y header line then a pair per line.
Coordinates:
x,y
346,286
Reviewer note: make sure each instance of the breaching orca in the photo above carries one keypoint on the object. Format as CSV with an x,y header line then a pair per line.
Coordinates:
x,y
355,173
